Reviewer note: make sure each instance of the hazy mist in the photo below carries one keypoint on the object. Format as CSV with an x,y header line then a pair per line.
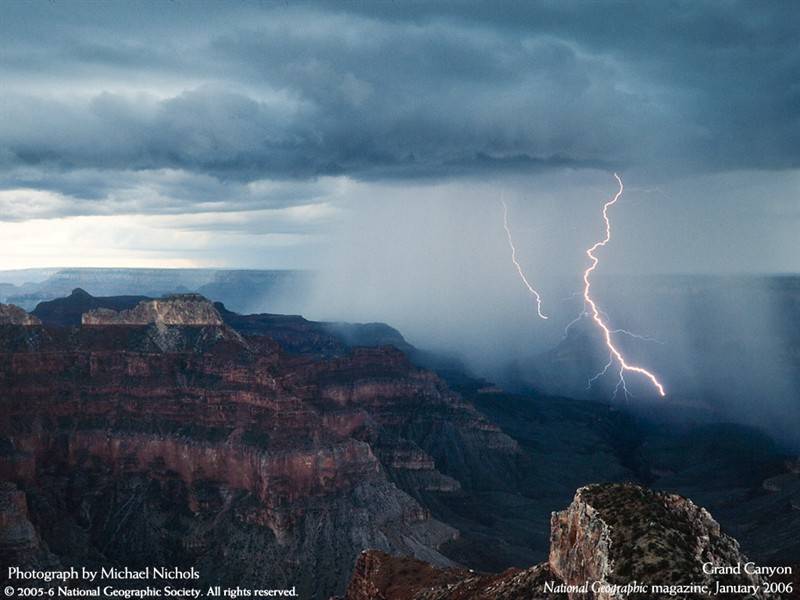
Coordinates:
x,y
433,261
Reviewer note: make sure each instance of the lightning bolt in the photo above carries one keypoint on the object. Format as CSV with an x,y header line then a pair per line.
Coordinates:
x,y
583,314
614,353
637,336
524,279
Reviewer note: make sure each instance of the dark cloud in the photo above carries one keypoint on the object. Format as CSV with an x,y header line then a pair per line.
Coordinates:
x,y
36,193
252,91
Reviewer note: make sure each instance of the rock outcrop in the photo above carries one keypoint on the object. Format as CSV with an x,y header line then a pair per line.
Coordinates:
x,y
611,538
20,544
619,533
14,315
181,309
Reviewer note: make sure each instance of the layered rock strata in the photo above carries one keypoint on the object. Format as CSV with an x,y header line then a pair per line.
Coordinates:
x,y
160,435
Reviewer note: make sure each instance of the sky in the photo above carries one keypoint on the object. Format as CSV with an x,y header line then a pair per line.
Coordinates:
x,y
298,134
374,142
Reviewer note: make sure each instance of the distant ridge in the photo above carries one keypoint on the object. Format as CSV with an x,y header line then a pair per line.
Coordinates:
x,y
243,290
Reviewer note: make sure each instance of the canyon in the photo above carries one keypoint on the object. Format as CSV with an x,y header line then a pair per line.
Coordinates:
x,y
269,448
160,434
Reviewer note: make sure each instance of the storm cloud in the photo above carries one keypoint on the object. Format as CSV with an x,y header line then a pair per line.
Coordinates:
x,y
372,142
99,100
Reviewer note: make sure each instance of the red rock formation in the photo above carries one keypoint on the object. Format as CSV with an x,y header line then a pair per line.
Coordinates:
x,y
139,440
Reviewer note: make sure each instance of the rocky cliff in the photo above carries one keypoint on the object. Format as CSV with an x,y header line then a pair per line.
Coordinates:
x,y
20,544
181,309
160,435
14,315
618,533
610,538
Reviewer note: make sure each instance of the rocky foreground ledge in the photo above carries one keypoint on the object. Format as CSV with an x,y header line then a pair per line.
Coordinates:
x,y
611,539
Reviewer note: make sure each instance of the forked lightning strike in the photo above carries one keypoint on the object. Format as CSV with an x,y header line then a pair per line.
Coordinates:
x,y
533,292
595,312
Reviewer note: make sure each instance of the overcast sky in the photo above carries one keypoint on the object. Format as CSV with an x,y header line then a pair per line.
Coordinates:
x,y
273,134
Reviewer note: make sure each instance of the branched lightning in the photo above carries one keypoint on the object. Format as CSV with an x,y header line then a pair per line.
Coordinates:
x,y
583,313
573,322
533,292
636,336
614,353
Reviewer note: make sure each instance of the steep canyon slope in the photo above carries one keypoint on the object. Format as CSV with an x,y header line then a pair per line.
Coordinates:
x,y
268,448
